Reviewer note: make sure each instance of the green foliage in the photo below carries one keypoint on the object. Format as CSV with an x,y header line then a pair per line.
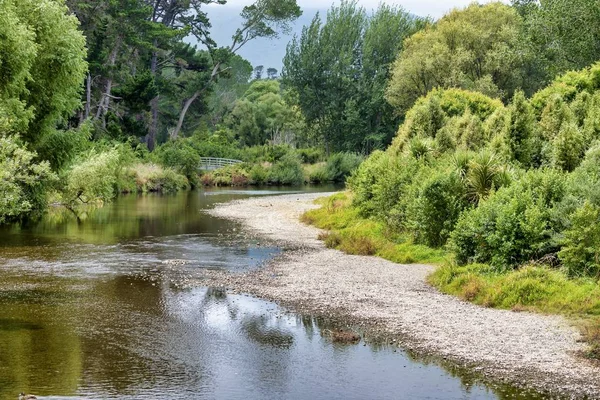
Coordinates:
x,y
59,147
339,68
42,66
567,86
146,178
287,171
516,224
580,252
262,115
476,48
23,181
92,178
569,147
520,129
453,117
354,234
563,34
311,155
438,198
182,157
530,288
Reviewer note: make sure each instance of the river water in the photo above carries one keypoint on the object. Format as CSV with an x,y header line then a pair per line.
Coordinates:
x,y
92,308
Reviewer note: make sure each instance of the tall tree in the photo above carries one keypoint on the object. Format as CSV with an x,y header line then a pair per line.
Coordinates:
x,y
258,72
564,34
41,66
339,70
477,48
264,18
272,73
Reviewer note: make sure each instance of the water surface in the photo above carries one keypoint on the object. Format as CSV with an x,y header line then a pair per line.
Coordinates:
x,y
92,307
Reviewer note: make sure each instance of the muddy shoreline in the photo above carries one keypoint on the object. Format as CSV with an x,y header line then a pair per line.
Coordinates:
x,y
393,304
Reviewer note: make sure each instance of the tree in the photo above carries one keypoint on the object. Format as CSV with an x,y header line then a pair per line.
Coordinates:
x,y
519,129
272,73
564,34
20,179
477,48
262,115
264,18
42,66
258,72
228,89
339,70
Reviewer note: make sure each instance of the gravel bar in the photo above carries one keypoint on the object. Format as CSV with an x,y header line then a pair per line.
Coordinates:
x,y
393,301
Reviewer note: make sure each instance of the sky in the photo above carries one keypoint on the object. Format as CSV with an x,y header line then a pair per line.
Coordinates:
x,y
269,53
432,8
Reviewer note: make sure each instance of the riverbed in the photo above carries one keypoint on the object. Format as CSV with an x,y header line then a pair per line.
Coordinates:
x,y
99,306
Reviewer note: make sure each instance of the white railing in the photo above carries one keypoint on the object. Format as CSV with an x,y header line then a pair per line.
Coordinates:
x,y
212,163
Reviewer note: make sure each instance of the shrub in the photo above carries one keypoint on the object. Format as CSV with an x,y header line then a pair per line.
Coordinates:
x,y
519,129
580,253
437,202
516,224
584,182
311,155
568,147
91,178
258,174
381,186
60,147
23,182
319,175
155,178
287,171
182,157
233,175
341,165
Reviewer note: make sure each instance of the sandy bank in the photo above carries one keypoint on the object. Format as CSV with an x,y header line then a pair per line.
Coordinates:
x,y
394,300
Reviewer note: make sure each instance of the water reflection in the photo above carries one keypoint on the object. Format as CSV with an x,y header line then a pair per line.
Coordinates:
x,y
93,309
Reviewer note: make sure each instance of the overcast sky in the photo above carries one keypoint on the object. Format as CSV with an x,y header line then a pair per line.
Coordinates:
x,y
433,8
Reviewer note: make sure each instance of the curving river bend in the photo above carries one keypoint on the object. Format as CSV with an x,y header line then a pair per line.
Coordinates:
x,y
92,308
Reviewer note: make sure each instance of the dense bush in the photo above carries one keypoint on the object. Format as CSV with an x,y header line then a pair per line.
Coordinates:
x,y
311,155
438,198
91,178
233,175
145,178
517,224
287,171
338,167
580,251
22,181
182,157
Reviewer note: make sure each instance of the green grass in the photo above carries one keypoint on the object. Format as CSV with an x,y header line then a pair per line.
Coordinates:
x,y
532,288
353,234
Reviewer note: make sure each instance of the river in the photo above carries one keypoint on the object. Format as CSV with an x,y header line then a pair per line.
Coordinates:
x,y
93,308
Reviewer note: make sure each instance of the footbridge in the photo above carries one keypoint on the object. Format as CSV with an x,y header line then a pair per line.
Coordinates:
x,y
212,163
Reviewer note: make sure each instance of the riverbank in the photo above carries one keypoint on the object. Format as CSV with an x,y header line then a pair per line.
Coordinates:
x,y
394,302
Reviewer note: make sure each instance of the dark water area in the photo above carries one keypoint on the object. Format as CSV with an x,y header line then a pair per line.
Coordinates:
x,y
92,308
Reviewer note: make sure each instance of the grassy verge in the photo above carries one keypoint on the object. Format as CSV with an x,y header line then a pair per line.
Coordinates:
x,y
532,288
351,233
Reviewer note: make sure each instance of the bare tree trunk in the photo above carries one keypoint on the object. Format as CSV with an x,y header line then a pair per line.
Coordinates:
x,y
153,129
184,111
105,99
88,97
188,102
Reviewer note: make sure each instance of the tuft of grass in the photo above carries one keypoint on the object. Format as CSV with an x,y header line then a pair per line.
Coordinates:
x,y
531,288
353,234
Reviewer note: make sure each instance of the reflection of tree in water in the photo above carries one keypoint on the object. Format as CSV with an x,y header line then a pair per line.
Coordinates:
x,y
129,217
39,349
